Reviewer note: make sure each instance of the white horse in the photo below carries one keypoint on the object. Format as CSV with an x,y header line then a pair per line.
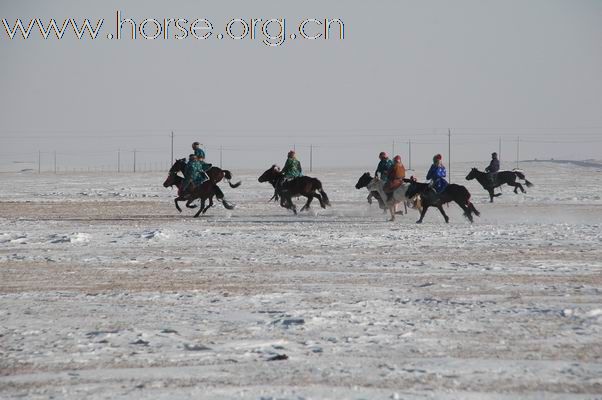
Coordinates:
x,y
399,195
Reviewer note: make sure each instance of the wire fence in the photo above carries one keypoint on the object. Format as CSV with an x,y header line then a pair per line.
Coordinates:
x,y
136,151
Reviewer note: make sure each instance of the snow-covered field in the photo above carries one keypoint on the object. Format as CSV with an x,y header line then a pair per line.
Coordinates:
x,y
107,292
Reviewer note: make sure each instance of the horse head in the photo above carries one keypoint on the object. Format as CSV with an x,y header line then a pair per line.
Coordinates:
x,y
364,180
170,181
270,175
178,166
172,177
413,188
472,174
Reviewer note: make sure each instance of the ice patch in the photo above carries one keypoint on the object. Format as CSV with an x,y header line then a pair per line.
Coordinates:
x,y
70,238
155,234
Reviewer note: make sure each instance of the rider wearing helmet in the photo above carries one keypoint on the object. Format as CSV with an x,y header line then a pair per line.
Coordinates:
x,y
437,174
193,174
384,166
200,156
395,176
198,152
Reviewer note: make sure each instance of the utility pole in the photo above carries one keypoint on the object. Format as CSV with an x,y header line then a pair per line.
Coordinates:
x,y
410,153
39,161
119,160
517,150
134,161
171,160
449,152
55,161
311,157
499,150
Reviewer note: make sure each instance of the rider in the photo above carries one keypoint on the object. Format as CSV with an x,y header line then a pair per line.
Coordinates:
x,y
200,155
395,175
193,174
493,168
437,174
292,166
384,166
198,152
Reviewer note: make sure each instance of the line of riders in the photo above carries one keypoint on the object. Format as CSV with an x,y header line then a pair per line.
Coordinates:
x,y
389,184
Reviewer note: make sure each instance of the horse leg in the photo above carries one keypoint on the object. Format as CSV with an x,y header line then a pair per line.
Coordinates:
x,y
188,205
310,197
392,212
516,185
422,214
321,200
440,207
287,202
522,189
208,205
491,195
177,205
200,209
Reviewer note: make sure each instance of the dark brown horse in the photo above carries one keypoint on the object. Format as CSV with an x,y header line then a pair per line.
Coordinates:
x,y
499,179
204,191
456,193
287,188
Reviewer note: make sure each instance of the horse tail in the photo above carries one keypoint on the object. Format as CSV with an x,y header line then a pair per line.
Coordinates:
x,y
322,193
523,177
228,176
520,175
324,197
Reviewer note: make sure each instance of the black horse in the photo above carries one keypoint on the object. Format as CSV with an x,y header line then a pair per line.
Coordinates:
x,y
363,182
286,189
205,191
457,193
500,178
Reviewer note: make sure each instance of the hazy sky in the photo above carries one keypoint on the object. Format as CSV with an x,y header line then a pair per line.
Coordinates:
x,y
405,70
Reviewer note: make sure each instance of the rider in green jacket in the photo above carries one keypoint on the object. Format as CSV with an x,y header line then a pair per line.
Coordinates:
x,y
292,166
194,173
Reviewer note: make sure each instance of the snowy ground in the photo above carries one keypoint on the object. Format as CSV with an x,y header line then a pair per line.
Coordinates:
x,y
106,292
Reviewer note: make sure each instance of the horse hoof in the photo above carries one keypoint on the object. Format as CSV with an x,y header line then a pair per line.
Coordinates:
x,y
418,222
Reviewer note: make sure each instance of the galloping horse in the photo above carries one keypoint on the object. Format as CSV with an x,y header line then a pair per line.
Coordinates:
x,y
500,178
452,192
286,189
375,187
204,191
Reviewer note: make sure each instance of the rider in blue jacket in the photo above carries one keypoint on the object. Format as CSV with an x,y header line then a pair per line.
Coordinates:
x,y
437,174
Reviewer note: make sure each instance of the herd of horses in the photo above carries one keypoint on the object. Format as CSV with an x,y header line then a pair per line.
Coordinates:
x,y
411,194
